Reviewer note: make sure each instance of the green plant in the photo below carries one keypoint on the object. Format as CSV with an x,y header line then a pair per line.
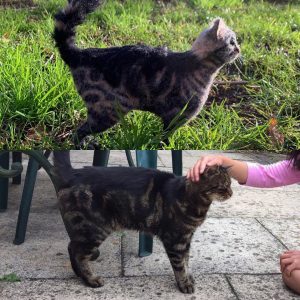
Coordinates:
x,y
40,108
10,278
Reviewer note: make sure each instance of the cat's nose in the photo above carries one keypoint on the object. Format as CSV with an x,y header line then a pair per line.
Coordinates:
x,y
237,49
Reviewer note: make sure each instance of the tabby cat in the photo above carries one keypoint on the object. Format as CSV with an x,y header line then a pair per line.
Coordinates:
x,y
95,201
119,79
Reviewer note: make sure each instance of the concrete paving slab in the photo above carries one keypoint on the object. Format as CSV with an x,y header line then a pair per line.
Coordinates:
x,y
260,203
85,158
208,287
239,155
220,245
286,230
265,157
279,190
44,253
190,157
44,196
119,157
261,287
231,242
116,157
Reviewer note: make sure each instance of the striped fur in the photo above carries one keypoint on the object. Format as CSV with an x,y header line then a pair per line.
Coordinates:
x,y
96,201
121,79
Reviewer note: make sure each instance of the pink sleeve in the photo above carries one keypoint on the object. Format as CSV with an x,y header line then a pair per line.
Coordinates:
x,y
274,175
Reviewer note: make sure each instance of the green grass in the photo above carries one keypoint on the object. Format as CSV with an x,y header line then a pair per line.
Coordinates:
x,y
10,278
39,107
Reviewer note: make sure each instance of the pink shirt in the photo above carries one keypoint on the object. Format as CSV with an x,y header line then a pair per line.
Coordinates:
x,y
274,175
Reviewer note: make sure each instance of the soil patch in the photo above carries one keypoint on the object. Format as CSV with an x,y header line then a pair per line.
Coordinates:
x,y
237,95
17,3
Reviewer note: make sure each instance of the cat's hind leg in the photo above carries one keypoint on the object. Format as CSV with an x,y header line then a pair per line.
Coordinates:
x,y
80,255
95,254
80,137
73,261
96,123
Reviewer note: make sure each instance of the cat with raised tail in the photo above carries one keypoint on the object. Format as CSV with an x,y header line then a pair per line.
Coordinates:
x,y
116,80
96,201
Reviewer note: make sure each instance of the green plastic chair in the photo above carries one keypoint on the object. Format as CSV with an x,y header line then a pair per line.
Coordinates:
x,y
29,183
14,173
100,159
4,163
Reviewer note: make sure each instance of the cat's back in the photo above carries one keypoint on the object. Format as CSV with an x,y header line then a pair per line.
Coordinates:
x,y
120,178
118,56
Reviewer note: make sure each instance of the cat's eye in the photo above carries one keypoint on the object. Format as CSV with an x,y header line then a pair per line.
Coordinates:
x,y
232,42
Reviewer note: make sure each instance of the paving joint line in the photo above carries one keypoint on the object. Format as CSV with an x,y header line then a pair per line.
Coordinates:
x,y
157,275
231,287
277,238
122,256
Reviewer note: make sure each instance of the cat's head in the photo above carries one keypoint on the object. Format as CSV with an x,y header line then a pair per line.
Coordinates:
x,y
214,184
218,41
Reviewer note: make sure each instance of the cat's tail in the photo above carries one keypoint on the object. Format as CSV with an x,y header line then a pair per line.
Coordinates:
x,y
62,167
66,21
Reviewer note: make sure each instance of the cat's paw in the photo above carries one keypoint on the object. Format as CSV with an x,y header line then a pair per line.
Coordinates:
x,y
191,278
95,255
77,142
87,143
187,286
94,282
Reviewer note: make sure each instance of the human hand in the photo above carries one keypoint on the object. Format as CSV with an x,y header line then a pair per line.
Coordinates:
x,y
290,261
199,167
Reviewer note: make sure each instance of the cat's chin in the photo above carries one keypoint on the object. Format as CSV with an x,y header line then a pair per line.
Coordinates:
x,y
223,199
232,58
218,198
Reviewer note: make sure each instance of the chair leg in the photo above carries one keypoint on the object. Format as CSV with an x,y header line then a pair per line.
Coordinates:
x,y
4,163
24,210
17,157
177,162
101,158
129,158
147,159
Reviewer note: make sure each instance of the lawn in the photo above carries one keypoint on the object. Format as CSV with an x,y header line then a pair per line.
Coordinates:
x,y
255,103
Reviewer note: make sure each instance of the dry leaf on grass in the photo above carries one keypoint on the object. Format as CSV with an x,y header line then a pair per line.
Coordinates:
x,y
35,134
277,137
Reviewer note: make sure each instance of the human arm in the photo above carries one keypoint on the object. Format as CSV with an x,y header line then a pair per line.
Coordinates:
x,y
236,169
250,174
273,175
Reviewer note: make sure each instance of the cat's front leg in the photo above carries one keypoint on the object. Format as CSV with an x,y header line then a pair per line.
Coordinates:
x,y
171,122
178,254
187,258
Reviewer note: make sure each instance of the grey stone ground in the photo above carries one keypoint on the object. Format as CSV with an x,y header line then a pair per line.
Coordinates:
x,y
235,254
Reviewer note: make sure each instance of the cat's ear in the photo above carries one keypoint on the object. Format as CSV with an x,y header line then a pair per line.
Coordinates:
x,y
218,28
